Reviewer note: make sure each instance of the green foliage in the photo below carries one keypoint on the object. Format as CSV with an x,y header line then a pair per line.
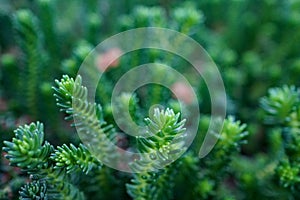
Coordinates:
x,y
216,166
164,135
47,23
72,157
34,190
153,185
163,143
28,149
230,140
282,109
255,45
187,18
30,40
279,104
159,184
288,175
71,97
163,140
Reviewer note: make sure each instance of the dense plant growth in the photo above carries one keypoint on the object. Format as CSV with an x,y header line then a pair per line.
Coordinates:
x,y
255,45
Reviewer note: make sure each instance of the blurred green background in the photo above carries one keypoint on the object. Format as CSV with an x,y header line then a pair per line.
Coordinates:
x,y
255,44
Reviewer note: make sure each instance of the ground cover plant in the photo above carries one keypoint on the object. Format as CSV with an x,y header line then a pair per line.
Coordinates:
x,y
44,101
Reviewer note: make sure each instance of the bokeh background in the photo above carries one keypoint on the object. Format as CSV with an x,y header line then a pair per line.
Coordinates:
x,y
254,43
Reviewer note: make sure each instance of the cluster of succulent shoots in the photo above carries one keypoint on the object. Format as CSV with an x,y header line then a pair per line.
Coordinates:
x,y
257,150
51,169
282,113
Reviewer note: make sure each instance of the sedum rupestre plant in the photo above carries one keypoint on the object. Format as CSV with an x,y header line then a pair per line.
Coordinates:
x,y
255,45
282,106
53,171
